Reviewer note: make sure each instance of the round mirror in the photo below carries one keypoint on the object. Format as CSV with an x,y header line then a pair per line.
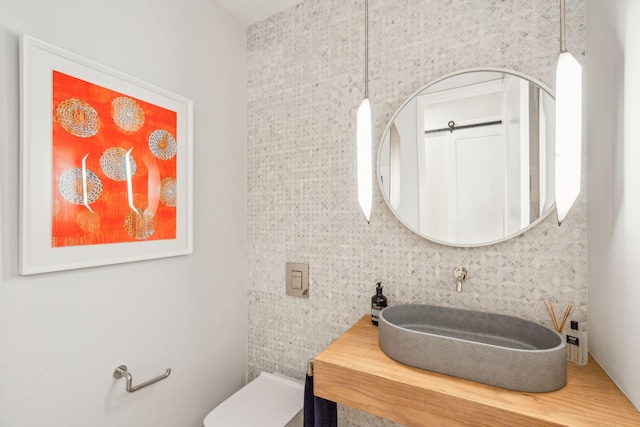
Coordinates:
x,y
468,160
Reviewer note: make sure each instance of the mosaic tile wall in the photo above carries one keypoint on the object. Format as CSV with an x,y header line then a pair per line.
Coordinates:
x,y
305,82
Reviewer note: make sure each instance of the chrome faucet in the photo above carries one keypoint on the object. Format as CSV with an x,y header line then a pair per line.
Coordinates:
x,y
460,274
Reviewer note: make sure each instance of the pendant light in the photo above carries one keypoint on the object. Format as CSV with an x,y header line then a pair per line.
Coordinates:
x,y
568,126
363,132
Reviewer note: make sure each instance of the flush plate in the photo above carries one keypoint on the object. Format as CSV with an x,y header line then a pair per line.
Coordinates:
x,y
297,280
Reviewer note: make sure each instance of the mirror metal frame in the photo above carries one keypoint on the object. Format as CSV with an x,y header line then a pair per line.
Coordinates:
x,y
411,97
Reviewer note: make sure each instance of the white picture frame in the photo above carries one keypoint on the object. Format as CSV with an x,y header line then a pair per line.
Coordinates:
x,y
38,62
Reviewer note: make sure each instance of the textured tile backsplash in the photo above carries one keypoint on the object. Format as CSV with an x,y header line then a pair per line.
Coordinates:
x,y
305,82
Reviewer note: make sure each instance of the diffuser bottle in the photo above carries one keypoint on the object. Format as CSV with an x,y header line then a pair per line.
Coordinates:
x,y
378,302
577,351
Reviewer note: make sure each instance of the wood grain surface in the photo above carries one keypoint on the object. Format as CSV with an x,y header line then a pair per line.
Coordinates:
x,y
353,371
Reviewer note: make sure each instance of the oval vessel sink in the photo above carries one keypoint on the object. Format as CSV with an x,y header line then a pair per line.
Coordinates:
x,y
494,349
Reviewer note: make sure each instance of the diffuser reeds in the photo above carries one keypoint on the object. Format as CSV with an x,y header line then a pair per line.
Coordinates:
x,y
552,314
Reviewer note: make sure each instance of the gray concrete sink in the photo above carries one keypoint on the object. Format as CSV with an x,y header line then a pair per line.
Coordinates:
x,y
494,349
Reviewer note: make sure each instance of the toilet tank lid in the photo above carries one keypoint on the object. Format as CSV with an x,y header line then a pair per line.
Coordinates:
x,y
269,400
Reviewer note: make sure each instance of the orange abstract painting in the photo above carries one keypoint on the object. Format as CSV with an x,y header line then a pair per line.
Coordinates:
x,y
114,166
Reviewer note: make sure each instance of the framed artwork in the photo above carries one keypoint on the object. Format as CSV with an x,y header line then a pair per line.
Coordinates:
x,y
106,165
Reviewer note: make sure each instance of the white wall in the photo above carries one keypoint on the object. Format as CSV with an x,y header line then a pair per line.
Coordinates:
x,y
613,121
62,334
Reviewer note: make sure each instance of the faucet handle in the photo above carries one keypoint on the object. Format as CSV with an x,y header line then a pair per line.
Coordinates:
x,y
460,274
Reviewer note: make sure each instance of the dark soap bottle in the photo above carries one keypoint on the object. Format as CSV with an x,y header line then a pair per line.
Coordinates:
x,y
378,302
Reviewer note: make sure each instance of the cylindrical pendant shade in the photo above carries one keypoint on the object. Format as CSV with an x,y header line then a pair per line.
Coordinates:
x,y
568,133
365,172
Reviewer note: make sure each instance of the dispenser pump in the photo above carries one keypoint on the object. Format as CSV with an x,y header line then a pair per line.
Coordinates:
x,y
378,302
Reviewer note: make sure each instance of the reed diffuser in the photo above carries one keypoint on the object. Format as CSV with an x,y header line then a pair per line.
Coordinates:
x,y
576,340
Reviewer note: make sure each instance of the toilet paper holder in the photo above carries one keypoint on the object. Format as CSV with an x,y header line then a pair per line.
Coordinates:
x,y
121,371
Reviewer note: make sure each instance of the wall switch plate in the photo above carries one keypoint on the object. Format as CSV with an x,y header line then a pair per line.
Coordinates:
x,y
297,280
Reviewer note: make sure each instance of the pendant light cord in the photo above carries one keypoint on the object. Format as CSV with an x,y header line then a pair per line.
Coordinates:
x,y
563,47
366,48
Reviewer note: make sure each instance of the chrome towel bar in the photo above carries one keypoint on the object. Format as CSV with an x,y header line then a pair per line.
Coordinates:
x,y
121,371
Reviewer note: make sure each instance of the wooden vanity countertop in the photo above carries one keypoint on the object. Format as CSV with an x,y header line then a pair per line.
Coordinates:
x,y
353,371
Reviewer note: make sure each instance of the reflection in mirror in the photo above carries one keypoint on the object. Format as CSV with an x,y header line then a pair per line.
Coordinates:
x,y
469,159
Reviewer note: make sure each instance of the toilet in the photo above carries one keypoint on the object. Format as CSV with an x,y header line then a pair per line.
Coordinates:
x,y
271,400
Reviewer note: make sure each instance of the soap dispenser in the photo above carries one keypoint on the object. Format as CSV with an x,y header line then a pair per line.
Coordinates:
x,y
378,302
